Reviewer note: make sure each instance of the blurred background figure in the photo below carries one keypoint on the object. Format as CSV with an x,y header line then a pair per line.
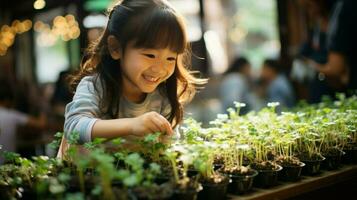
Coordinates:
x,y
276,85
11,119
315,49
61,95
341,66
237,86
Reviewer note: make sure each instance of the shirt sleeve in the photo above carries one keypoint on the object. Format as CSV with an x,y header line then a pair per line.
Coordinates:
x,y
83,111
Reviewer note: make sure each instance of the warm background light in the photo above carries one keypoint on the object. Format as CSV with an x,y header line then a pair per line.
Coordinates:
x,y
63,27
8,33
39,4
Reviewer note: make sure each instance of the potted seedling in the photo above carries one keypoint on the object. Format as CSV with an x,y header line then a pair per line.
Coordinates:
x,y
152,147
241,176
334,138
185,187
53,187
285,148
9,182
192,132
23,170
351,146
309,148
75,164
214,183
106,171
152,150
261,139
140,180
267,169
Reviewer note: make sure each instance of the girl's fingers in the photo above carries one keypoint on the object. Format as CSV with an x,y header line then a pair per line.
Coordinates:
x,y
159,125
167,125
162,124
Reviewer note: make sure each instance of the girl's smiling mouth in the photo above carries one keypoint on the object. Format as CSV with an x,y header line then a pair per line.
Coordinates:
x,y
151,79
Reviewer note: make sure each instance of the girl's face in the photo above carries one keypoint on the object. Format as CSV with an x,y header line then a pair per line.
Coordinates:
x,y
144,69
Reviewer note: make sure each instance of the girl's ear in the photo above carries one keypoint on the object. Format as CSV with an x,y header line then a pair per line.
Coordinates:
x,y
114,47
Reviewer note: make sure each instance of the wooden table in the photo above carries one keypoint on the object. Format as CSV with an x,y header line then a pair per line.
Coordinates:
x,y
327,185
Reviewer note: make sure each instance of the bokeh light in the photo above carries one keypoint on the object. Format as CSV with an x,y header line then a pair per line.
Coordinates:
x,y
8,33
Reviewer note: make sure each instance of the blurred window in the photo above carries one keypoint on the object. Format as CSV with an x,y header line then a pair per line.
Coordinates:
x,y
190,9
54,50
254,30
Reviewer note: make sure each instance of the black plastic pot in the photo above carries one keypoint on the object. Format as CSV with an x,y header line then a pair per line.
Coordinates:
x,y
241,184
189,194
332,162
214,191
351,155
312,167
184,195
267,178
161,192
291,173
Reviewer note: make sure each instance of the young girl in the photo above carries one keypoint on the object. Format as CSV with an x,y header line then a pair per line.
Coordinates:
x,y
134,80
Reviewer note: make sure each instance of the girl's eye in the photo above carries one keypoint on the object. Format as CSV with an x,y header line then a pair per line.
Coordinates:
x,y
171,59
150,55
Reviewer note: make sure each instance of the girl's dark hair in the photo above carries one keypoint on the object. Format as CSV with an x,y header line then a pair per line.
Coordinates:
x,y
148,24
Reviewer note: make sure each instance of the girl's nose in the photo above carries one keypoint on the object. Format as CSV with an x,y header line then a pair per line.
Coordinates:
x,y
157,66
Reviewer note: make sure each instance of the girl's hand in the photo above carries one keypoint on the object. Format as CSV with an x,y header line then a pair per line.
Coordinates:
x,y
150,122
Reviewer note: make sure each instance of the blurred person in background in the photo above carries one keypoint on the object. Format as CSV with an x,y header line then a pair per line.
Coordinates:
x,y
315,47
10,119
341,66
62,94
277,87
236,85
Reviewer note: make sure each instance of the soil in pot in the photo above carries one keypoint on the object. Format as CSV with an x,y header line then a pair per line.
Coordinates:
x,y
241,179
292,168
267,174
214,188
